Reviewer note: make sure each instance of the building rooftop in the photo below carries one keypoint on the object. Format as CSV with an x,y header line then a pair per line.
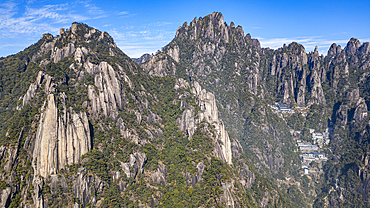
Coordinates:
x,y
283,107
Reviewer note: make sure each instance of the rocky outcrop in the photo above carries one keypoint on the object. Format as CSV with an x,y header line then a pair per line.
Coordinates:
x,y
334,49
193,179
5,197
353,95
86,186
361,112
364,174
61,53
137,162
29,94
60,140
227,196
144,58
352,46
246,176
140,161
187,123
265,199
209,113
80,53
106,94
160,174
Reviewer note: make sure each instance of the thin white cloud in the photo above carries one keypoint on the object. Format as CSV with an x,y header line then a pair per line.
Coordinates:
x,y
76,17
33,20
159,24
95,11
123,13
36,20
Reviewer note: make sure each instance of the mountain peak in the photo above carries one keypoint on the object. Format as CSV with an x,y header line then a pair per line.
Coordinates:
x,y
213,28
352,46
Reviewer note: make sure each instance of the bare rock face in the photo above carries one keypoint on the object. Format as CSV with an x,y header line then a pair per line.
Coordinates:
x,y
227,197
364,174
193,179
5,197
160,174
137,162
365,48
59,141
265,199
159,64
142,58
181,83
209,113
187,122
61,53
316,89
360,111
80,53
353,95
334,49
85,186
174,53
247,177
29,94
108,95
126,169
45,152
200,169
38,200
342,115
140,161
352,46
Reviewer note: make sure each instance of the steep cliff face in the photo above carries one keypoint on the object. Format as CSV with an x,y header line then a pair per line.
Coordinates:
x,y
209,113
108,96
60,140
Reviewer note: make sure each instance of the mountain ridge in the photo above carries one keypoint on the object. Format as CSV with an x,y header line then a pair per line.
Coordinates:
x,y
246,79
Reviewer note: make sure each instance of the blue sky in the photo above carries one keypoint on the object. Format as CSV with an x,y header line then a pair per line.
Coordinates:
x,y
140,27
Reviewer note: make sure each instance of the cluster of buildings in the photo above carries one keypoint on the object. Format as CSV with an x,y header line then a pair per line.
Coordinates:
x,y
281,109
310,151
320,139
307,147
